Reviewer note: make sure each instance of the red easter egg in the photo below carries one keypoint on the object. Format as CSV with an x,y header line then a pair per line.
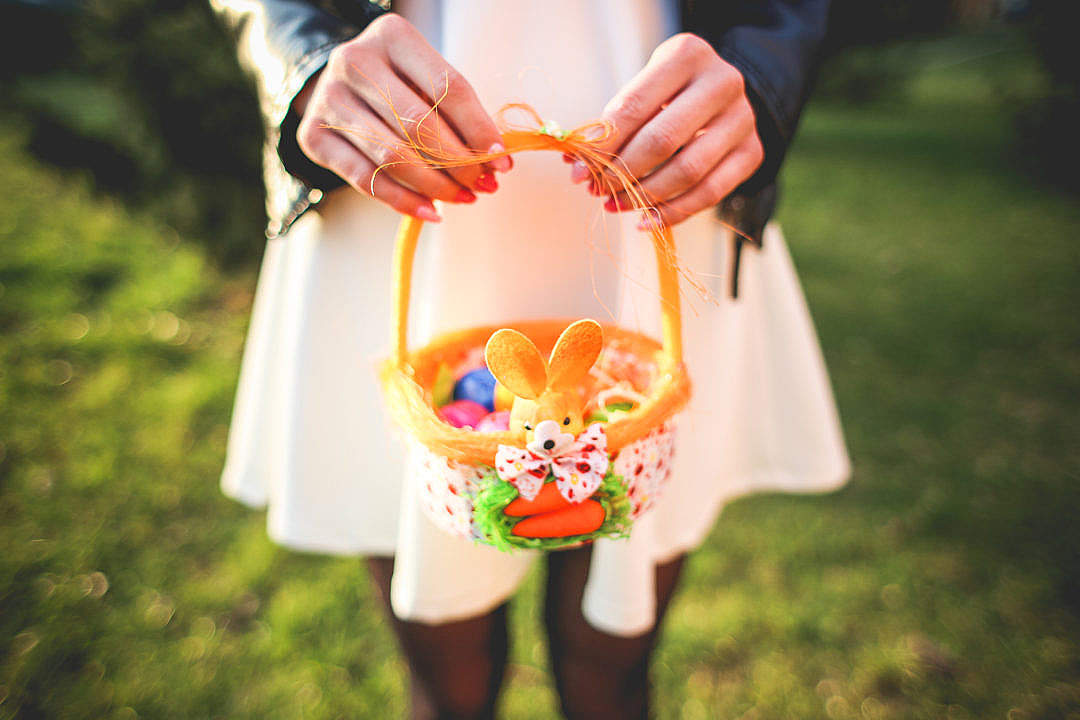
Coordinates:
x,y
463,413
493,422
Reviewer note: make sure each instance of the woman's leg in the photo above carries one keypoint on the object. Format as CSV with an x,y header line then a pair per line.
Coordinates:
x,y
598,675
455,669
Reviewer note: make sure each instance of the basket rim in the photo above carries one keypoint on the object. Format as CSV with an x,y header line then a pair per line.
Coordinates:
x,y
408,404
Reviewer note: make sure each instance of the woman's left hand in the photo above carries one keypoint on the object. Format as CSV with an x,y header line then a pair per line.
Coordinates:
x,y
684,128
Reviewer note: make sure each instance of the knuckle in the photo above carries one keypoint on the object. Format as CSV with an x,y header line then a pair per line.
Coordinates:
x,y
672,215
731,80
689,170
336,61
386,153
700,45
738,82
414,115
360,177
335,94
689,43
628,105
309,136
350,53
755,154
455,83
340,51
387,23
663,140
747,121
381,154
716,188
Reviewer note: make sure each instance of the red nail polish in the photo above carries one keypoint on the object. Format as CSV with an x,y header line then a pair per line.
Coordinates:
x,y
487,183
610,205
465,195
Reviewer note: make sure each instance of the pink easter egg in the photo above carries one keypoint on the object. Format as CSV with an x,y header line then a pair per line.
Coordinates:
x,y
463,413
493,422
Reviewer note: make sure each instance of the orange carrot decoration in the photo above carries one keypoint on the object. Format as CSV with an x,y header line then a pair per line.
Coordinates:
x,y
546,500
578,519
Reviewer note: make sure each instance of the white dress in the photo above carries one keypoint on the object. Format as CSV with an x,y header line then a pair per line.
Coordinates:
x,y
309,438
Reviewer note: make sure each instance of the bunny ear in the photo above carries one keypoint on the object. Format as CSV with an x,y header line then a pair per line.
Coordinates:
x,y
516,363
575,352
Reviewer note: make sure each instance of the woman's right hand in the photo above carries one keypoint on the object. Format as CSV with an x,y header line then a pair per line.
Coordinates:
x,y
391,60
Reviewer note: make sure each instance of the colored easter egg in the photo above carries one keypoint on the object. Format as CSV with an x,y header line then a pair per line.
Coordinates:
x,y
442,390
477,385
504,399
493,422
463,413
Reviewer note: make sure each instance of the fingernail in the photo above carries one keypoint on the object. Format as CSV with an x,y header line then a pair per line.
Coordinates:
x,y
487,183
579,173
501,164
464,195
427,213
594,189
610,205
650,219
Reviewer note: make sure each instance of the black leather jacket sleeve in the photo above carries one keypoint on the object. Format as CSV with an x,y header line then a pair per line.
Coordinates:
x,y
281,44
774,44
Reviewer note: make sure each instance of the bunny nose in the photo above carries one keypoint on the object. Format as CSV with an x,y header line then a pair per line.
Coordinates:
x,y
547,440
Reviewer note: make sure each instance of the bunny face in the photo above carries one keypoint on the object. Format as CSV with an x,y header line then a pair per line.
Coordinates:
x,y
565,409
545,391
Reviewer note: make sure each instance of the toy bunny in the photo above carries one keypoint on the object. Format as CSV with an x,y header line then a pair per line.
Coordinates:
x,y
548,407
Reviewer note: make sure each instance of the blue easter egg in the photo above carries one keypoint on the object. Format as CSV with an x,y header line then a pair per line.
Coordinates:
x,y
477,385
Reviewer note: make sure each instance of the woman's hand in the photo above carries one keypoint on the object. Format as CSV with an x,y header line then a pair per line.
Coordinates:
x,y
391,60
685,128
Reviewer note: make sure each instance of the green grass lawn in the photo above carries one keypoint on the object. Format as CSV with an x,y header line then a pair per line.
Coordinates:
x,y
943,582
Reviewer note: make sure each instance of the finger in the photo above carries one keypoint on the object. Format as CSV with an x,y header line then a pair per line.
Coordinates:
x,y
697,159
410,115
667,72
674,126
459,105
332,151
718,184
384,148
421,65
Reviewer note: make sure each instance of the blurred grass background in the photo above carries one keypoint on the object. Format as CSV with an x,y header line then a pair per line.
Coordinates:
x,y
940,259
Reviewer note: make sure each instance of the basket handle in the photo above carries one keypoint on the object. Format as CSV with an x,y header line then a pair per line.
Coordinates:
x,y
663,244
